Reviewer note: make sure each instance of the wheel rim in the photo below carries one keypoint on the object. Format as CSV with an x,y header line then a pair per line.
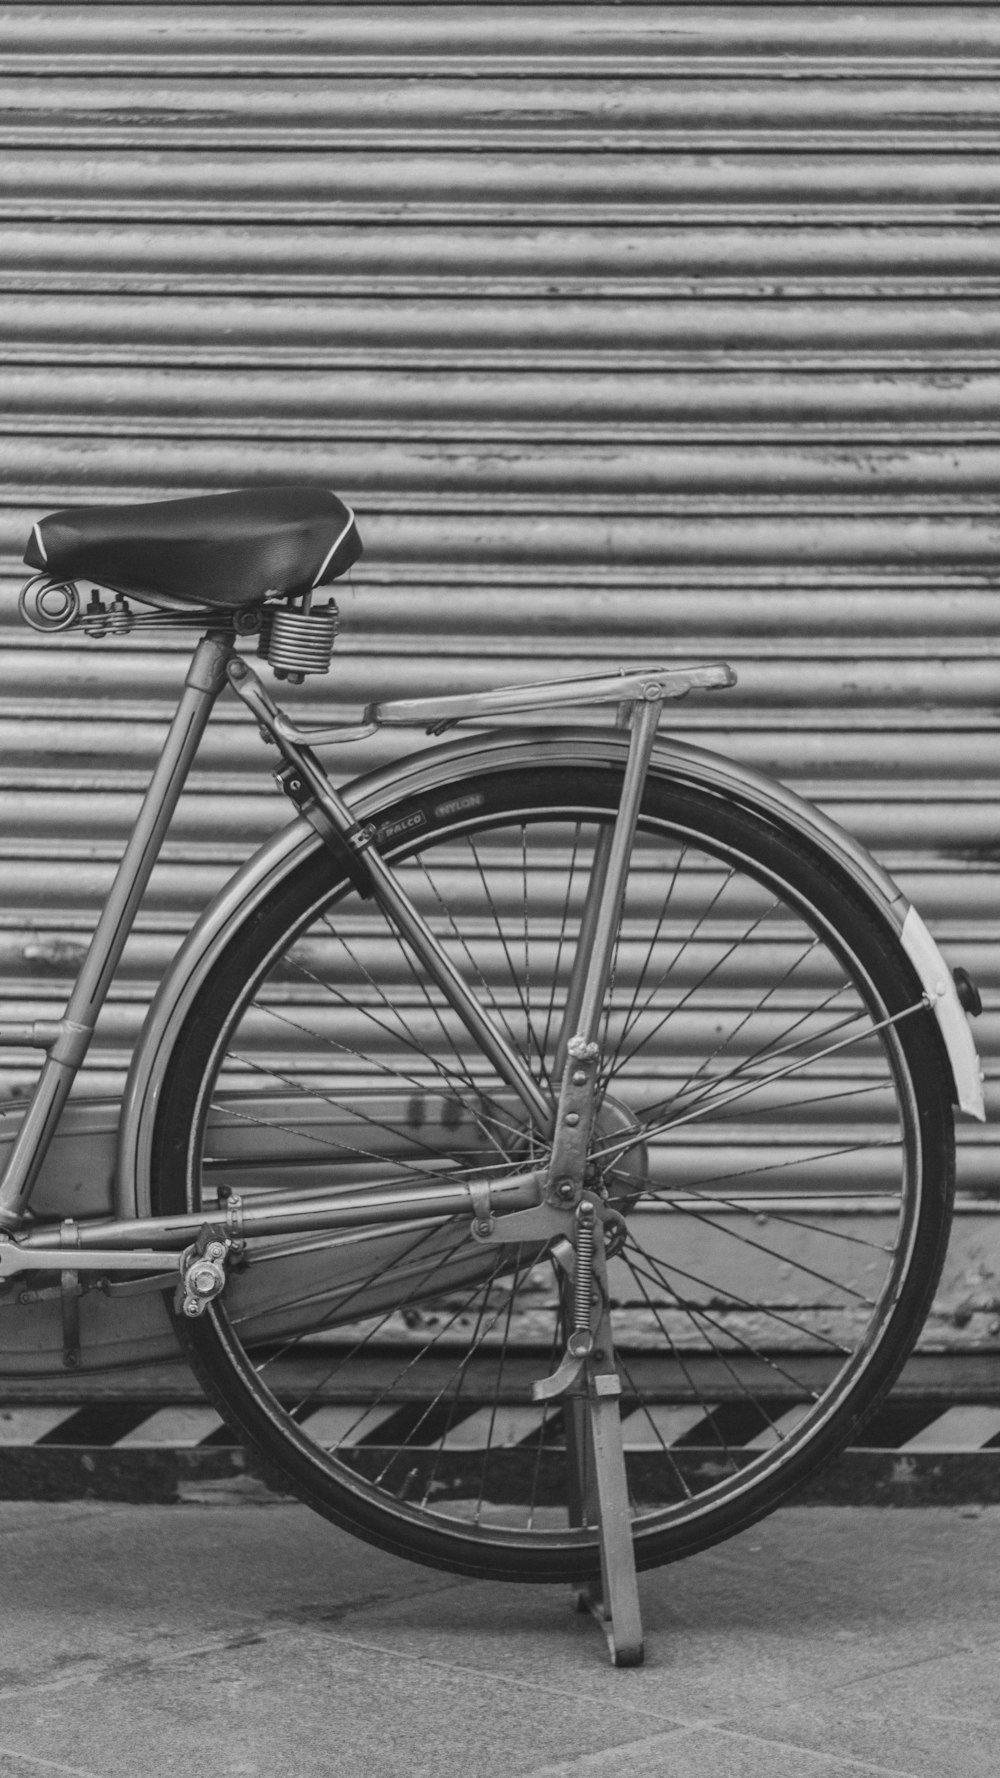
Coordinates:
x,y
771,1212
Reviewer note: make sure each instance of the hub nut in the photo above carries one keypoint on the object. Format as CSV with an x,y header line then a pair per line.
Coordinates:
x,y
205,1277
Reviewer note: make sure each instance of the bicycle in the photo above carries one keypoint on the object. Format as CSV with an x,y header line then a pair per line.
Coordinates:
x,y
543,1083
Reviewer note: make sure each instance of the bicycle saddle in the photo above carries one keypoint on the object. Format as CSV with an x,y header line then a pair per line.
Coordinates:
x,y
216,549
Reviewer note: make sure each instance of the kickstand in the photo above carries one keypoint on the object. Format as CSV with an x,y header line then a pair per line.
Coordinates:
x,y
614,1600
598,1489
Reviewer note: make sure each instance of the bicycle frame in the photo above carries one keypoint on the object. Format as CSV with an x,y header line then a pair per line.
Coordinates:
x,y
135,1243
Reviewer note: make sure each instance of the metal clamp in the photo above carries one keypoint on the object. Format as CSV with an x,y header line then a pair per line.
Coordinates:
x,y
483,1219
574,1117
70,1292
203,1273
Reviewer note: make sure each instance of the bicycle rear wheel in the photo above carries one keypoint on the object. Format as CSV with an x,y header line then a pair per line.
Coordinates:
x,y
774,1123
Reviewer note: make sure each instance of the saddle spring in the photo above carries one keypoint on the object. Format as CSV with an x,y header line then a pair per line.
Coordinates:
x,y
295,643
48,605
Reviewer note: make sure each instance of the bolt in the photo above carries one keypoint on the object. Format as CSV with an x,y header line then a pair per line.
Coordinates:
x,y
565,1189
202,1279
579,1078
191,1307
573,1118
215,1250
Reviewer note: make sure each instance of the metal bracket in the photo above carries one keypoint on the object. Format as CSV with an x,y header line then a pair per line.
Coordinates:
x,y
573,1120
544,1222
345,848
70,1292
203,1272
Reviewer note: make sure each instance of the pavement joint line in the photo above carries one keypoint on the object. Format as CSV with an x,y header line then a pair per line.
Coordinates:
x,y
844,1759
594,1761
48,1765
590,1762
965,1648
508,1679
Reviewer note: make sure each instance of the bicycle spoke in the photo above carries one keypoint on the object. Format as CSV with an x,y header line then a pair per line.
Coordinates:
x,y
460,1376
662,1266
710,1104
632,1011
623,1057
679,1199
686,1309
495,1402
418,1174
335,1316
626,1372
530,1038
571,877
476,969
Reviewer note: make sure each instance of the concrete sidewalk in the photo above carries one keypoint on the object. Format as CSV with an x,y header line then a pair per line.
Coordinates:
x,y
237,1637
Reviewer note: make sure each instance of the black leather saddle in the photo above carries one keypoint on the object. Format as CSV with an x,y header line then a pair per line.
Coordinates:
x,y
218,549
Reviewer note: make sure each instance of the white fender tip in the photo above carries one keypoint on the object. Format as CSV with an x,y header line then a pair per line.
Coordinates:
x,y
959,1042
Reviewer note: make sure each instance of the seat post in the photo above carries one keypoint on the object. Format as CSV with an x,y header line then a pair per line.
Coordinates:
x,y
68,1039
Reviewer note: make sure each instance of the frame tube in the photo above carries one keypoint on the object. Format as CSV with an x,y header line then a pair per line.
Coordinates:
x,y
346,1210
204,681
645,718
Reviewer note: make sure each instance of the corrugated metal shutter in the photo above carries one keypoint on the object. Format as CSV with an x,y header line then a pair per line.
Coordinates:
x,y
627,329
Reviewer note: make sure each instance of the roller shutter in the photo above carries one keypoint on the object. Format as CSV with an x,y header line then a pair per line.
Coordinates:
x,y
628,330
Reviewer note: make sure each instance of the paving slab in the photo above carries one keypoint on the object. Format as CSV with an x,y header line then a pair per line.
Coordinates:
x,y
244,1636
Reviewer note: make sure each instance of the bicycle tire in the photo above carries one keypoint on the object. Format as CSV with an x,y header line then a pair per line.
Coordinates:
x,y
776,1105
